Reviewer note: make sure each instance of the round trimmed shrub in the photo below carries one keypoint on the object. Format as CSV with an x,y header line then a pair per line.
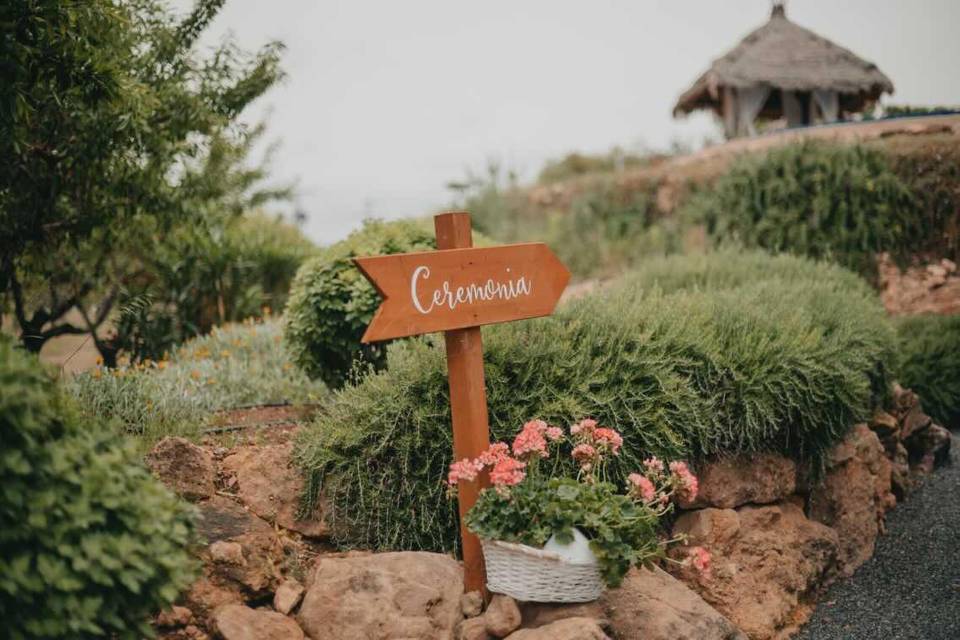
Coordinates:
x,y
91,545
688,357
331,303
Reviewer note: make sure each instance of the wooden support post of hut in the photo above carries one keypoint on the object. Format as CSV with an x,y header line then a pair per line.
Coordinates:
x,y
782,71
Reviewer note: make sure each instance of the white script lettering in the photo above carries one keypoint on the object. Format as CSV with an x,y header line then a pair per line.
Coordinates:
x,y
445,296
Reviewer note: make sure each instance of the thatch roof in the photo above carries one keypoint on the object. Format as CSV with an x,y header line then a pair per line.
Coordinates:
x,y
784,55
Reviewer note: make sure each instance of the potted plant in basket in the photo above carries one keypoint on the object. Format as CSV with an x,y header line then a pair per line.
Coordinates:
x,y
554,537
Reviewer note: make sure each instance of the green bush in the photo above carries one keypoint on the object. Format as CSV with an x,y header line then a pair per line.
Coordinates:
x,y
608,229
202,276
236,365
90,544
842,203
930,364
930,165
331,303
782,354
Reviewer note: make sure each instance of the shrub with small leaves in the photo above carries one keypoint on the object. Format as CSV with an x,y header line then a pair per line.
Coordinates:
x,y
930,363
90,544
690,357
842,203
331,303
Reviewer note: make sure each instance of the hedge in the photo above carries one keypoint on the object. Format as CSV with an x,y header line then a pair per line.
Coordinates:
x,y
837,202
930,364
331,303
778,354
90,544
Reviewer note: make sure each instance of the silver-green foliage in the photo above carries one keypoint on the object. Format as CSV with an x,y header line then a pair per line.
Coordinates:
x,y
730,353
90,544
235,365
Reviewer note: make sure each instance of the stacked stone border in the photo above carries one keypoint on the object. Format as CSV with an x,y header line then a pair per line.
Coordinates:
x,y
777,536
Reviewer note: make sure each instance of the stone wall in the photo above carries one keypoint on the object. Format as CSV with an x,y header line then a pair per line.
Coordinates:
x,y
777,537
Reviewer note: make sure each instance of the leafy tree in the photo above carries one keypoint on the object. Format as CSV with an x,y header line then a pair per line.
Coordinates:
x,y
112,129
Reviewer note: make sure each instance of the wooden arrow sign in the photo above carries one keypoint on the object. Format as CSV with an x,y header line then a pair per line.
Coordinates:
x,y
458,288
455,290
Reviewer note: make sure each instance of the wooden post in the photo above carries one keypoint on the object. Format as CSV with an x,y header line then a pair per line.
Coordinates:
x,y
457,290
468,402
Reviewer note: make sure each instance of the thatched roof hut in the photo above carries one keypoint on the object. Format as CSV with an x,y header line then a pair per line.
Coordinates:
x,y
782,70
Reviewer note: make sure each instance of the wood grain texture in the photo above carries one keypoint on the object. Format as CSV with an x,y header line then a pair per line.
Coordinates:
x,y
468,404
463,287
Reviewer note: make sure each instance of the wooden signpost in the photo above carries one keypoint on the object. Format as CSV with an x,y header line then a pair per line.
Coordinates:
x,y
456,289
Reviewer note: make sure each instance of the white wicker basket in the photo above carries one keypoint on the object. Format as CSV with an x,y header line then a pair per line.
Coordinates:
x,y
534,575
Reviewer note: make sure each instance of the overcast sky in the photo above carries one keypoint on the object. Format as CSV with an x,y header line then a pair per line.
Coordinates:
x,y
387,101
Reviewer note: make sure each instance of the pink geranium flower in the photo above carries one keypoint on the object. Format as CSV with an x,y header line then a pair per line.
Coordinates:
x,y
609,439
700,559
554,433
640,485
494,453
531,439
507,472
653,464
585,426
584,453
686,483
464,470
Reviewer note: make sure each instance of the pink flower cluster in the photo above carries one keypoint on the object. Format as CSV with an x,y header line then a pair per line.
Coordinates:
x,y
686,483
465,470
700,559
531,439
507,472
585,427
641,486
608,439
679,481
593,442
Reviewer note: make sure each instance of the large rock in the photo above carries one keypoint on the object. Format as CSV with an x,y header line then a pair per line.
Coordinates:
x,y
271,487
205,596
473,629
885,426
386,596
502,616
735,481
653,605
854,495
223,519
928,448
900,479
566,629
766,561
288,596
184,467
238,622
538,614
244,549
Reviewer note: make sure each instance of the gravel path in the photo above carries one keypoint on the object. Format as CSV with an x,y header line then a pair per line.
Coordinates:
x,y
910,589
